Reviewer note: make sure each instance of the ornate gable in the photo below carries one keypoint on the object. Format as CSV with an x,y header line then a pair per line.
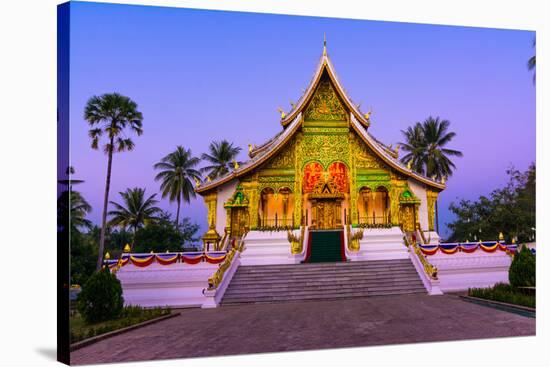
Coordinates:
x,y
325,104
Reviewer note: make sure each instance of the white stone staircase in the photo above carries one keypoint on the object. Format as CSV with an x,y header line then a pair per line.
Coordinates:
x,y
322,281
268,248
380,244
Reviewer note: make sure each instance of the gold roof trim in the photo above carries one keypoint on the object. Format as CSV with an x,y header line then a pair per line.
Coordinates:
x,y
389,159
324,64
246,167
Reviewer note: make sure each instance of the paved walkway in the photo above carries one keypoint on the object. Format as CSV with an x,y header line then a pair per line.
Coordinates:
x,y
308,325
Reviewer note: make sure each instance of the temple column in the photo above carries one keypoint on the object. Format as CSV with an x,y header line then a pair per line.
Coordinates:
x,y
432,199
210,201
395,191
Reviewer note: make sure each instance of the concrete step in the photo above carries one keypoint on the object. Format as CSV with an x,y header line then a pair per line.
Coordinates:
x,y
326,288
318,296
311,269
329,275
306,270
322,281
356,264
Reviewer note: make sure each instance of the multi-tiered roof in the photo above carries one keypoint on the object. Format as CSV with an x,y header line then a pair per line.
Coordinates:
x,y
292,121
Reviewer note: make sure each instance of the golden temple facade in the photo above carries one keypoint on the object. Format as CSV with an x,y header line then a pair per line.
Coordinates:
x,y
324,170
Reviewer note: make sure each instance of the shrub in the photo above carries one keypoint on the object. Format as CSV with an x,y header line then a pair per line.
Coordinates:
x,y
101,297
522,272
504,293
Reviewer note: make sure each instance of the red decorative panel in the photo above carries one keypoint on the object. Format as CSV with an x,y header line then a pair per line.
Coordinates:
x,y
312,174
338,171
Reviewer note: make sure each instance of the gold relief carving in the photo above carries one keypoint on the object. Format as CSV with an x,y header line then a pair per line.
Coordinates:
x,y
298,157
285,158
325,104
407,217
431,198
326,130
354,217
210,201
325,149
365,157
397,187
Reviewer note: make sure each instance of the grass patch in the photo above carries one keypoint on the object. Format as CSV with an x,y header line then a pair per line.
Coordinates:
x,y
130,315
504,293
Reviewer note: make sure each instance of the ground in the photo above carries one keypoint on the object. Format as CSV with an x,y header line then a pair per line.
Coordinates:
x,y
278,327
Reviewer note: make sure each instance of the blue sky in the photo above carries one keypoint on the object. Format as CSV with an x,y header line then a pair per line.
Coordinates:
x,y
199,76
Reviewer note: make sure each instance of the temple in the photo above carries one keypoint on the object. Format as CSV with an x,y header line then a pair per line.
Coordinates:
x,y
322,210
323,171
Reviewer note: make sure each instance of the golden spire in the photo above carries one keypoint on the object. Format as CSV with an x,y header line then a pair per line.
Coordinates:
x,y
324,44
107,255
501,236
283,114
197,182
235,164
127,248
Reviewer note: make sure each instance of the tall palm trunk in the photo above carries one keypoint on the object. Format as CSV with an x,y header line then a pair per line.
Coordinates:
x,y
105,203
178,212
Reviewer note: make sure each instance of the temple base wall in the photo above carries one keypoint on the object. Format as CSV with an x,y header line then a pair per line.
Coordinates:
x,y
176,285
460,271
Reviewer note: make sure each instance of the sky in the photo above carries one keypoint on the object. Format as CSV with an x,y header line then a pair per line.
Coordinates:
x,y
199,76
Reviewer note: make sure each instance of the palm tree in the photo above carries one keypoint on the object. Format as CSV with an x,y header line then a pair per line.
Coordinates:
x,y
532,63
110,115
176,175
425,148
221,156
136,211
414,146
72,208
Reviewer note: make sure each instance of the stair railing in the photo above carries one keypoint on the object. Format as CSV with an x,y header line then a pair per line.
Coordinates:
x,y
219,281
427,271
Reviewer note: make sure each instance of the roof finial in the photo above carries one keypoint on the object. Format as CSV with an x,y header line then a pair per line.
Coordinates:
x,y
324,44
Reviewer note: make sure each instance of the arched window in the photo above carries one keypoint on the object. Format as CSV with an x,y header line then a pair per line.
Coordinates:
x,y
276,208
339,173
313,172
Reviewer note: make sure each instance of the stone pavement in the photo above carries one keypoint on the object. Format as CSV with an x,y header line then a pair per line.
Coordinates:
x,y
258,328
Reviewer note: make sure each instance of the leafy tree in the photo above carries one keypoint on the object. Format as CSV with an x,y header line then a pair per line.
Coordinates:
x,y
176,175
511,210
221,155
101,297
425,147
163,235
136,210
111,115
522,272
83,257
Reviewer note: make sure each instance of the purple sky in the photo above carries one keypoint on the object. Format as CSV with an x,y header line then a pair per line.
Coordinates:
x,y
199,76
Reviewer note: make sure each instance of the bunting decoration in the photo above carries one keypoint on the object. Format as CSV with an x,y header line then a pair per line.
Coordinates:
x,y
489,247
192,259
428,249
167,259
142,261
449,248
216,258
466,247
